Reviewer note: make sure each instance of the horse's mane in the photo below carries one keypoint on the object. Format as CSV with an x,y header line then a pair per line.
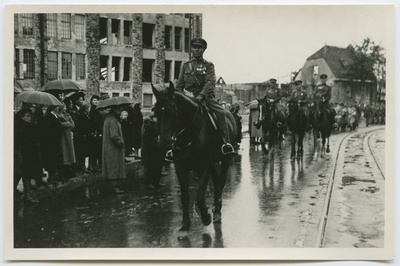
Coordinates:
x,y
182,96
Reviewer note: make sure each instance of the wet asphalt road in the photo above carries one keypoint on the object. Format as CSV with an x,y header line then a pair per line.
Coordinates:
x,y
268,201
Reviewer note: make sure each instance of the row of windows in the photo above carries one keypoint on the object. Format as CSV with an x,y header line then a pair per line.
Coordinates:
x,y
27,24
52,65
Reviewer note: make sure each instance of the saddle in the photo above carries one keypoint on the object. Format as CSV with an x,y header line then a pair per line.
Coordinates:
x,y
211,116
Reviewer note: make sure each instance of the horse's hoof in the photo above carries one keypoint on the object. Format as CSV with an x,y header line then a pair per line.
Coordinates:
x,y
183,234
204,215
217,218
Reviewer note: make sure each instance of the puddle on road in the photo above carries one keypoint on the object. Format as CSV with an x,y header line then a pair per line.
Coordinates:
x,y
348,180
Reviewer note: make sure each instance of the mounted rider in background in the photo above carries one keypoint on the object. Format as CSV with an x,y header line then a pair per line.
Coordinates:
x,y
323,93
299,96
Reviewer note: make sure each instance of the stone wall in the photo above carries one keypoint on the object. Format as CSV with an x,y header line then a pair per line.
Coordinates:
x,y
159,69
93,54
137,62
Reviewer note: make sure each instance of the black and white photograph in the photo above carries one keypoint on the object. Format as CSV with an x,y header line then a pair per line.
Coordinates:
x,y
185,132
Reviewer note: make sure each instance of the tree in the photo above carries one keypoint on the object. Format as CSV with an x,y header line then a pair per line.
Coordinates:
x,y
369,63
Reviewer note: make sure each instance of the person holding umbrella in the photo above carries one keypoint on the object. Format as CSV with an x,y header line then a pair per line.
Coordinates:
x,y
113,152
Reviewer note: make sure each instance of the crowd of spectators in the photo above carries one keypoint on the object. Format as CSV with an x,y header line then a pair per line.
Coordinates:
x,y
62,142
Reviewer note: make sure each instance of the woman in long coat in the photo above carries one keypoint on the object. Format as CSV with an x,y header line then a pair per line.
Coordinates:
x,y
67,144
113,155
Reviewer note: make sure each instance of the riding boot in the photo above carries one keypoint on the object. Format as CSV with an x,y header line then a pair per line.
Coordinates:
x,y
227,147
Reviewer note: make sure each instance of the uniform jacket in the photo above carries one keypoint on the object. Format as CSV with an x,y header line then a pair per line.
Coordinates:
x,y
325,91
273,93
299,94
197,77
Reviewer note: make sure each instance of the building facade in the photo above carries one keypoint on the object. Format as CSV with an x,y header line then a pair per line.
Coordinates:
x,y
335,62
118,54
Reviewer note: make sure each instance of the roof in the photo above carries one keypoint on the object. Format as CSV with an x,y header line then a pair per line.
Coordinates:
x,y
338,59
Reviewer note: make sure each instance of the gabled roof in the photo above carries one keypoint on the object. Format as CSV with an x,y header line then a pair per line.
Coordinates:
x,y
338,59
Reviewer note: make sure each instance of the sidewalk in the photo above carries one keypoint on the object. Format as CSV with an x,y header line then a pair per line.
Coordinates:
x,y
134,171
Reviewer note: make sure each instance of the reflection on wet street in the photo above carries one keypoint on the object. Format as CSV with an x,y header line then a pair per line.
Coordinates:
x,y
267,202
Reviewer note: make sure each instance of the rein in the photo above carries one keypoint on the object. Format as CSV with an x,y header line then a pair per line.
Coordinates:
x,y
175,136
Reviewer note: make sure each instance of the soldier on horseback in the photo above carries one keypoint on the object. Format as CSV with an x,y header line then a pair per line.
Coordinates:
x,y
299,96
323,93
197,77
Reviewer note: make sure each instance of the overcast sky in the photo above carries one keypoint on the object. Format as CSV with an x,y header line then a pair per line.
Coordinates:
x,y
249,44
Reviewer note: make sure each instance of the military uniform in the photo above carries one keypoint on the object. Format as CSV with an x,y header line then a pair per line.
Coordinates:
x,y
274,93
299,96
323,93
197,76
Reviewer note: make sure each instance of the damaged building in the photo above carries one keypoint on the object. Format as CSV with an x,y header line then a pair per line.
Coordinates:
x,y
118,54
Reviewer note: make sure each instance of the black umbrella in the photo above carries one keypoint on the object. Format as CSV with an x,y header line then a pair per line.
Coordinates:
x,y
114,101
61,86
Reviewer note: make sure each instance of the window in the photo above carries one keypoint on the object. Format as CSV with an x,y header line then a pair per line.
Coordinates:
x,y
115,30
127,94
115,68
66,65
15,24
147,75
16,60
167,74
177,69
80,66
52,25
29,63
315,70
127,32
178,37
348,91
187,40
167,36
66,26
103,67
103,31
52,65
27,24
127,68
147,100
115,94
80,27
148,32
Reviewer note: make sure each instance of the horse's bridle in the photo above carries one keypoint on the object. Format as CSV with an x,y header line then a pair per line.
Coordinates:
x,y
176,135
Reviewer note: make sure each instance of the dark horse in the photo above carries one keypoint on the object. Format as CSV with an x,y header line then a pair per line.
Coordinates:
x,y
185,126
273,128
322,128
297,122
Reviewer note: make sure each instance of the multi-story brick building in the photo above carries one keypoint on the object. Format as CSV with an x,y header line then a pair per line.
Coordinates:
x,y
118,54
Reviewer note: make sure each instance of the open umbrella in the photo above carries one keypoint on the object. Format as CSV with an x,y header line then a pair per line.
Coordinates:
x,y
61,86
37,97
114,101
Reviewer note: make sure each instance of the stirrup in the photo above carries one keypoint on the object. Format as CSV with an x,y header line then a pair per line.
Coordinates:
x,y
227,148
169,156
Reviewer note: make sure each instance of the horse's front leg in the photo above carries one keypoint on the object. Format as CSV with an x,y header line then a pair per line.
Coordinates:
x,y
293,142
328,150
323,151
182,174
200,205
300,145
219,184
